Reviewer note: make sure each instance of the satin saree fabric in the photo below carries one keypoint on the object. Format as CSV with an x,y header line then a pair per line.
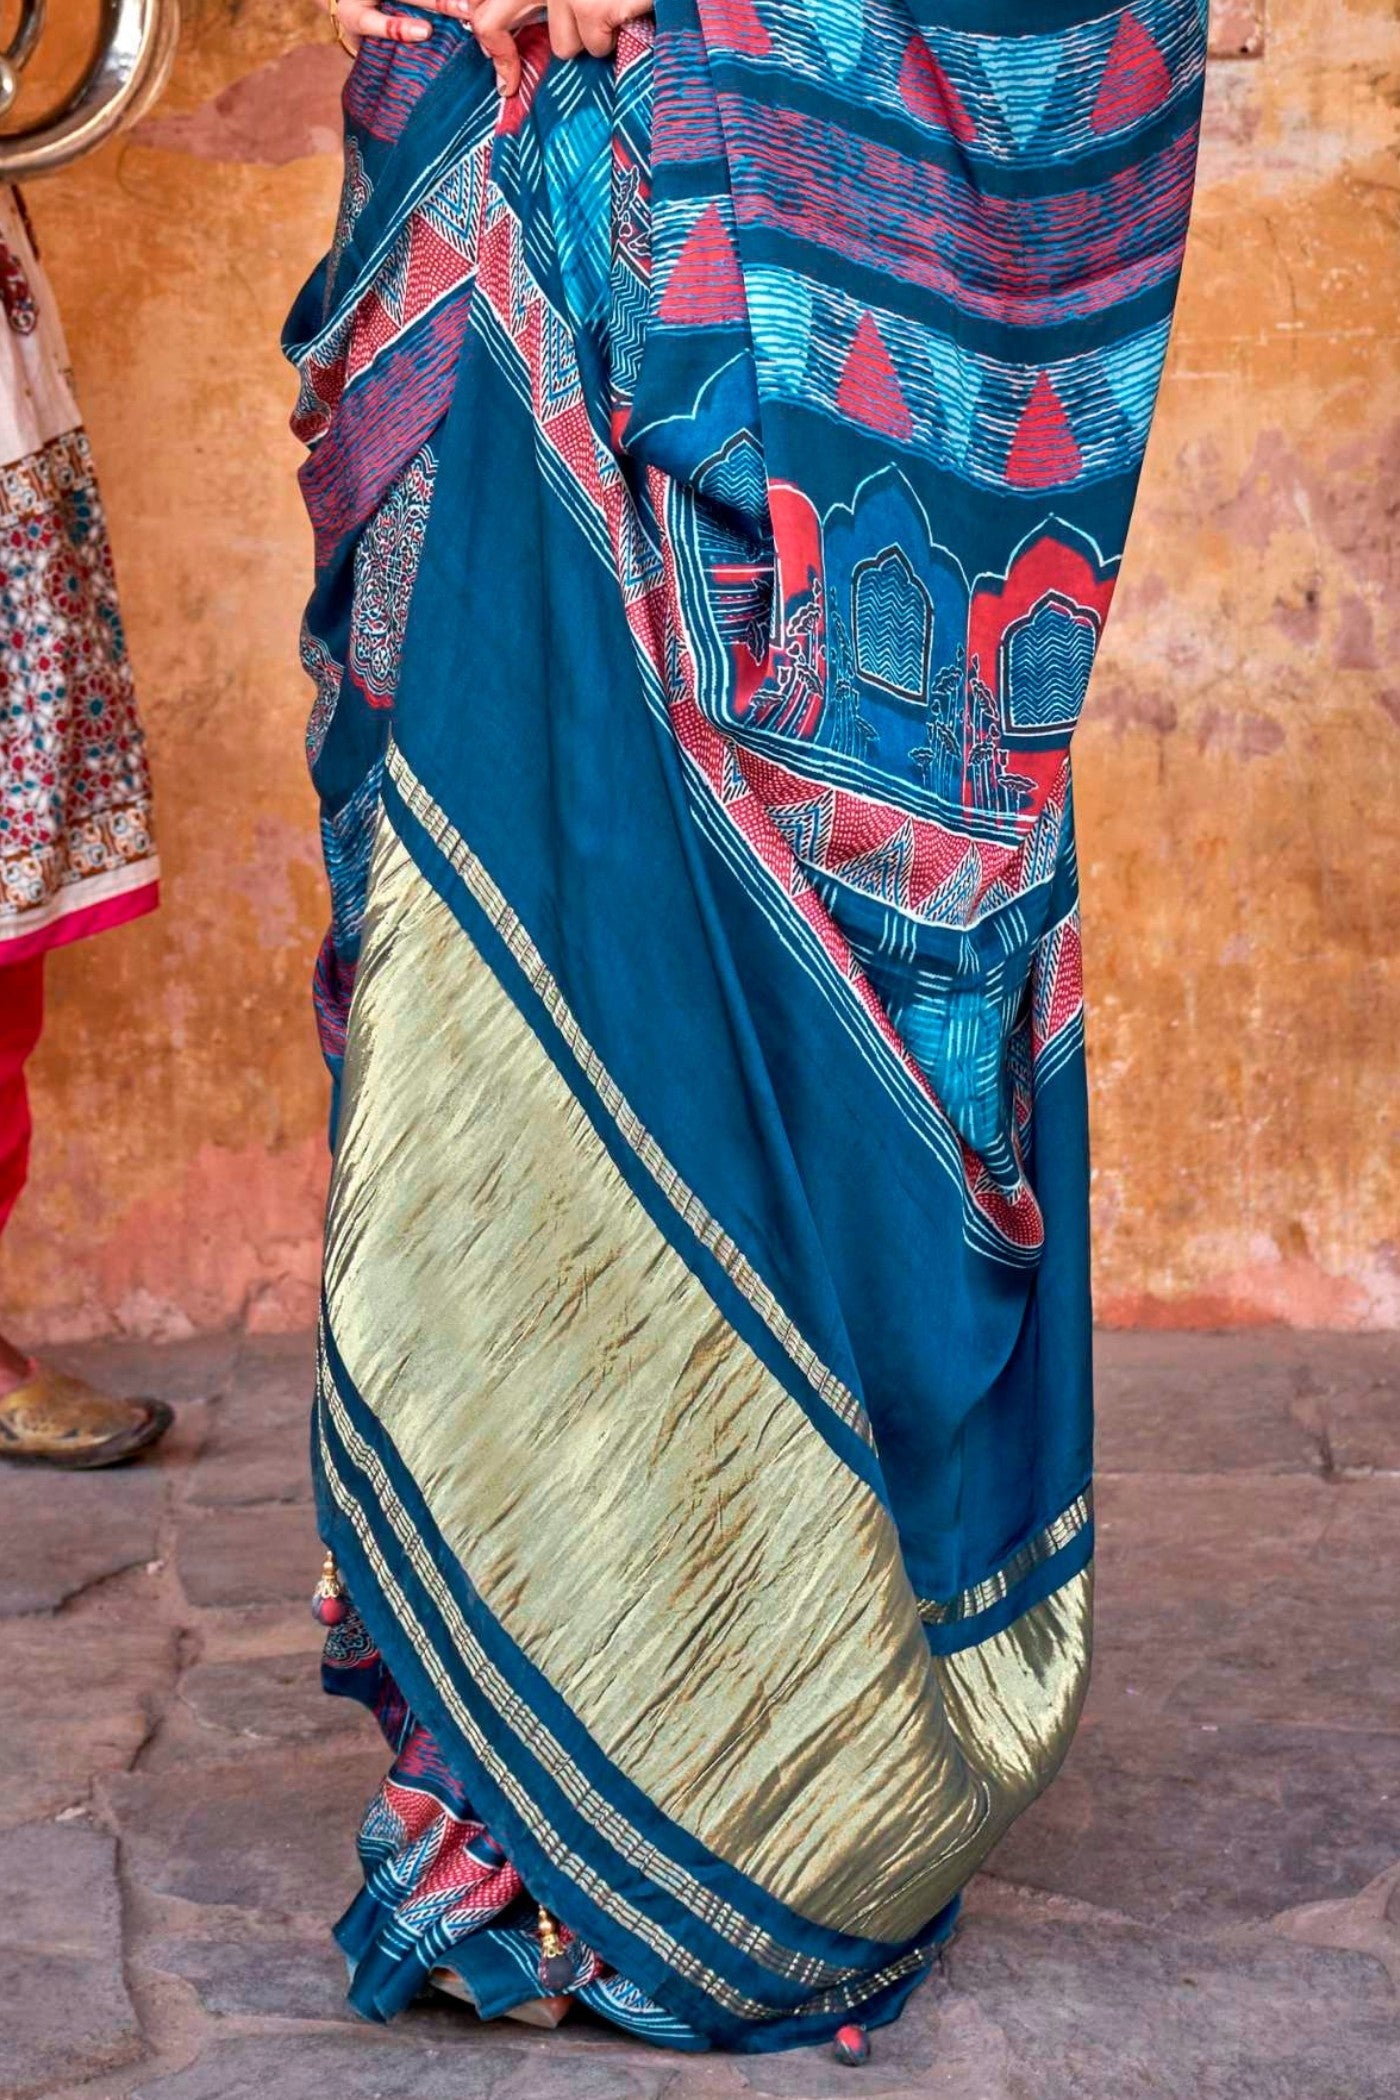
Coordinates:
x,y
720,462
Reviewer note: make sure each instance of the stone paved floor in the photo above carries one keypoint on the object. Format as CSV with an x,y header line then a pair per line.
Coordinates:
x,y
1206,1905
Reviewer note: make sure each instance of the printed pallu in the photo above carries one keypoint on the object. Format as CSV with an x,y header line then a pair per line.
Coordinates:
x,y
720,461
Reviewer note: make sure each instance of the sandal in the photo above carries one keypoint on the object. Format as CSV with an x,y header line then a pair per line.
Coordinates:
x,y
57,1420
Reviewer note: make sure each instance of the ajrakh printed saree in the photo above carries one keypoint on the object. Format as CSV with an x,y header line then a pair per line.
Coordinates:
x,y
720,465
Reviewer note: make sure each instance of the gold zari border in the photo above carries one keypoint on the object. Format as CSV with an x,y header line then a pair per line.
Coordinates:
x,y
741,1933
983,1595
547,1368
678,1193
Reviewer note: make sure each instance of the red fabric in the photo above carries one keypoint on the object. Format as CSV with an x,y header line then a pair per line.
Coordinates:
x,y
21,1018
78,925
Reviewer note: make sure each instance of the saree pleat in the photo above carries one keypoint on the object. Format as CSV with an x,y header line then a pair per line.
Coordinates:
x,y
720,461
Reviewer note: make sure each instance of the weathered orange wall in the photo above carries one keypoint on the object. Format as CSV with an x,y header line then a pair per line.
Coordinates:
x,y
1238,776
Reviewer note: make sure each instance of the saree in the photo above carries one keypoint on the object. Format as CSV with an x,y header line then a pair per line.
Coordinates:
x,y
720,459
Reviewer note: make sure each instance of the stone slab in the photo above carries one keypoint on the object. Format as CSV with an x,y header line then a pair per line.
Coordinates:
x,y
1166,1821
64,1531
282,1977
1093,2008
244,1708
1352,1395
372,2064
247,1706
67,2014
1171,1402
81,1692
257,1446
180,1372
1250,1597
275,1833
266,1553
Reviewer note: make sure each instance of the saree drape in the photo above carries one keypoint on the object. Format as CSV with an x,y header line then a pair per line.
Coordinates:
x,y
720,464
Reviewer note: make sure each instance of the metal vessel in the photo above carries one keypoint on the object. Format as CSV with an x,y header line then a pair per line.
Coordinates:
x,y
129,67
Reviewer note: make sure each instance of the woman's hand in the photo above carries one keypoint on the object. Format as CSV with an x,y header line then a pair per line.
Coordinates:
x,y
575,26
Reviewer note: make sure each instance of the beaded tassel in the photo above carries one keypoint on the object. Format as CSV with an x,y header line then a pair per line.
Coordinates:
x,y
852,2045
329,1603
556,1963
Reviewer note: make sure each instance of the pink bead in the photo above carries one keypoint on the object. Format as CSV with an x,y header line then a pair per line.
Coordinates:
x,y
852,2045
331,1611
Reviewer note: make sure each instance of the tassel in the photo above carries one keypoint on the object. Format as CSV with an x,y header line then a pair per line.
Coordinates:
x,y
852,2045
556,1963
329,1603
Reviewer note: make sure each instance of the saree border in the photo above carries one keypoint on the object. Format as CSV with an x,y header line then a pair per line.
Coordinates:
x,y
634,1139
1064,1542
1060,1548
573,1869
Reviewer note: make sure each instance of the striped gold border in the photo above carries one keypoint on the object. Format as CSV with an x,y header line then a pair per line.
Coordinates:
x,y
831,1390
1058,1533
844,1985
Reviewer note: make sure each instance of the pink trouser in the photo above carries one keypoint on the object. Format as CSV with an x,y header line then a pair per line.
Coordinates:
x,y
21,1018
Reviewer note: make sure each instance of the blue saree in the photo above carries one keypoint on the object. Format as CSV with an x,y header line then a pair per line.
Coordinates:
x,y
720,462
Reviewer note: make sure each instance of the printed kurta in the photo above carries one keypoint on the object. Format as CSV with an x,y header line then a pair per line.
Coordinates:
x,y
77,852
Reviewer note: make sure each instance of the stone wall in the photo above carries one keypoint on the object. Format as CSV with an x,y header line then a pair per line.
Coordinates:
x,y
1238,773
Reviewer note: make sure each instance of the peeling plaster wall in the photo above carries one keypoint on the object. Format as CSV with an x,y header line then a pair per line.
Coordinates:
x,y
1238,772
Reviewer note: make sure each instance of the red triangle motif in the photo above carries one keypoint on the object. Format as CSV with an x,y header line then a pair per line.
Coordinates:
x,y
870,392
929,94
434,266
706,288
1136,80
1043,452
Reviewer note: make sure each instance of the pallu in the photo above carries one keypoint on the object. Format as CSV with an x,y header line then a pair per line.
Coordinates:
x,y
720,461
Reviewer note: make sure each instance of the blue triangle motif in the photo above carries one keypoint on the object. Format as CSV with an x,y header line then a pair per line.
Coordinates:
x,y
1022,71
840,27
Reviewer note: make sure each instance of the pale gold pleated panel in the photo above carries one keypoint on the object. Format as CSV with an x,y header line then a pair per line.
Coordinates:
x,y
650,1516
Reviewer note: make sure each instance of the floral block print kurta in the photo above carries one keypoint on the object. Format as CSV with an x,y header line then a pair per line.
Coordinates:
x,y
77,852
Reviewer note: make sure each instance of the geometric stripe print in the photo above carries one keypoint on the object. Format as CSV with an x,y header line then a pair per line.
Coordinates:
x,y
629,1425
691,1213
1023,261
1016,101
1060,425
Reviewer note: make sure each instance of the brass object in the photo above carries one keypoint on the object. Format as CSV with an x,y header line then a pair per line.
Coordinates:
x,y
556,1963
328,1600
126,74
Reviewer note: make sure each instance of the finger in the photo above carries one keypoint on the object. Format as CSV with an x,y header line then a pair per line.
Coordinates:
x,y
599,35
504,53
509,15
630,10
394,29
564,38
431,7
